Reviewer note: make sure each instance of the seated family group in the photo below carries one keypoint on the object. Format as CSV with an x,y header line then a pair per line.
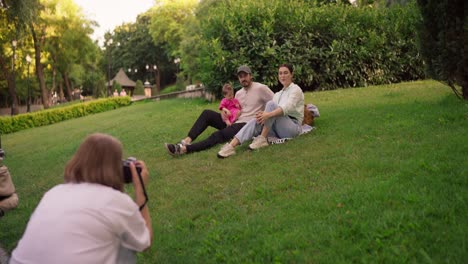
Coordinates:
x,y
254,112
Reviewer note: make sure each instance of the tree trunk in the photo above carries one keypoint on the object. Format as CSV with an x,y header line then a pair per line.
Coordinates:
x,y
40,75
465,91
68,94
38,43
10,77
60,92
14,97
158,81
54,84
464,78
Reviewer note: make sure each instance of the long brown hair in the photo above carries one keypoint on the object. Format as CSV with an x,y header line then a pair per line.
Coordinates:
x,y
97,160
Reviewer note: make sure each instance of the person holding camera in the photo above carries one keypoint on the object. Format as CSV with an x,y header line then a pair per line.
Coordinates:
x,y
8,197
89,218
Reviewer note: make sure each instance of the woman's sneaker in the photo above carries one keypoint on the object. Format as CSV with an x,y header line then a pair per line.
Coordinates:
x,y
183,143
258,142
174,149
226,151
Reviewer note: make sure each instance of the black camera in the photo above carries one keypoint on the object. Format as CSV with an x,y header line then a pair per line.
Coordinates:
x,y
126,169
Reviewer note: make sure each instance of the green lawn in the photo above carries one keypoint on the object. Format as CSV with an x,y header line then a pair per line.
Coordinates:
x,y
383,179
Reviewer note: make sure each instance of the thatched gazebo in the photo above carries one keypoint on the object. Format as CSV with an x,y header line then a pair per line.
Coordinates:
x,y
122,79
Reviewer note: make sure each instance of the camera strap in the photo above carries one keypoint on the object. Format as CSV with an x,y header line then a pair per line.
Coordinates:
x,y
144,191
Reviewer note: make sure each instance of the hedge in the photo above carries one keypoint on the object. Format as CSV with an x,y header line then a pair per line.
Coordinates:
x,y
332,46
50,116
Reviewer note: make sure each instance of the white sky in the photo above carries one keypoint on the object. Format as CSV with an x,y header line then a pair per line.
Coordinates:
x,y
112,13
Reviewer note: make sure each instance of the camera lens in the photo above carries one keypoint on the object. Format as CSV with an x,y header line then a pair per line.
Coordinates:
x,y
126,169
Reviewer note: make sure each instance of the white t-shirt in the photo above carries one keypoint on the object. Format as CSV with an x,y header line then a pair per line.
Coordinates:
x,y
82,223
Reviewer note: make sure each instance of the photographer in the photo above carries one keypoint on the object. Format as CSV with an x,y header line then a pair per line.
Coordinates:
x,y
8,196
89,218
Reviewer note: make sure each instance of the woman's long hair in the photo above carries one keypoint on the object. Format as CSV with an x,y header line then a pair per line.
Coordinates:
x,y
97,160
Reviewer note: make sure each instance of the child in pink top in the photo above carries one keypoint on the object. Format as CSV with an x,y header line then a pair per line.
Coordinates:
x,y
229,105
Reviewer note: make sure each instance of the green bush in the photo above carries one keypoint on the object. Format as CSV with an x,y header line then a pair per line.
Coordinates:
x,y
330,46
139,88
55,115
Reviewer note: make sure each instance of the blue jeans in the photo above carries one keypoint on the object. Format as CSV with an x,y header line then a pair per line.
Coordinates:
x,y
280,126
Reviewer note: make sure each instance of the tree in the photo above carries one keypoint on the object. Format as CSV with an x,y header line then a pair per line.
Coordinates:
x,y
38,32
168,20
68,46
132,47
14,17
60,36
444,42
7,51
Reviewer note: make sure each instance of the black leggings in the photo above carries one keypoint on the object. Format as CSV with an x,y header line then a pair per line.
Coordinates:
x,y
213,119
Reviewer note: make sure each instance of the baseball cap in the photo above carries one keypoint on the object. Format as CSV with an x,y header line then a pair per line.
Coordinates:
x,y
244,68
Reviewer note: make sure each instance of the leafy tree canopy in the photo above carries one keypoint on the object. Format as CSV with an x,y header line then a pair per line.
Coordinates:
x,y
168,21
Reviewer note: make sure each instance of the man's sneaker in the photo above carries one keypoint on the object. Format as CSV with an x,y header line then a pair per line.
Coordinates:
x,y
258,142
174,149
226,151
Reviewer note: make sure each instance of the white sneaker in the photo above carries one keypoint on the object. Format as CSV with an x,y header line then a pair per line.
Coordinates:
x,y
226,151
184,143
258,142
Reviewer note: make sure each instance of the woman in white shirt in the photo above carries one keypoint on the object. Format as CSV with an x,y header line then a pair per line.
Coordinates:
x,y
89,218
282,117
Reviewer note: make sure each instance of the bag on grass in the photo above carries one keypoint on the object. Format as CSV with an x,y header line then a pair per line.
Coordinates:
x,y
310,113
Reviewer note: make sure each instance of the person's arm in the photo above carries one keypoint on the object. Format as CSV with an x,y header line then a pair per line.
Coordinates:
x,y
238,107
267,94
225,113
238,114
295,98
263,116
222,104
237,104
139,193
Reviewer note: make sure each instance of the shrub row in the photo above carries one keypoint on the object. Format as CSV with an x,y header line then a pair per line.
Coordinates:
x,y
55,115
333,46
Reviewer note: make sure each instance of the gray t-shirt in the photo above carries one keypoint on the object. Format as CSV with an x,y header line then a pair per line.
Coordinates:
x,y
252,100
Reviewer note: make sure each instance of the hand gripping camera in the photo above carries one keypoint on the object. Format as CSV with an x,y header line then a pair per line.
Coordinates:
x,y
126,169
128,177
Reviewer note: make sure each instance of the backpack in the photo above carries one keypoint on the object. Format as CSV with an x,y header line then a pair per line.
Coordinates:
x,y
310,113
